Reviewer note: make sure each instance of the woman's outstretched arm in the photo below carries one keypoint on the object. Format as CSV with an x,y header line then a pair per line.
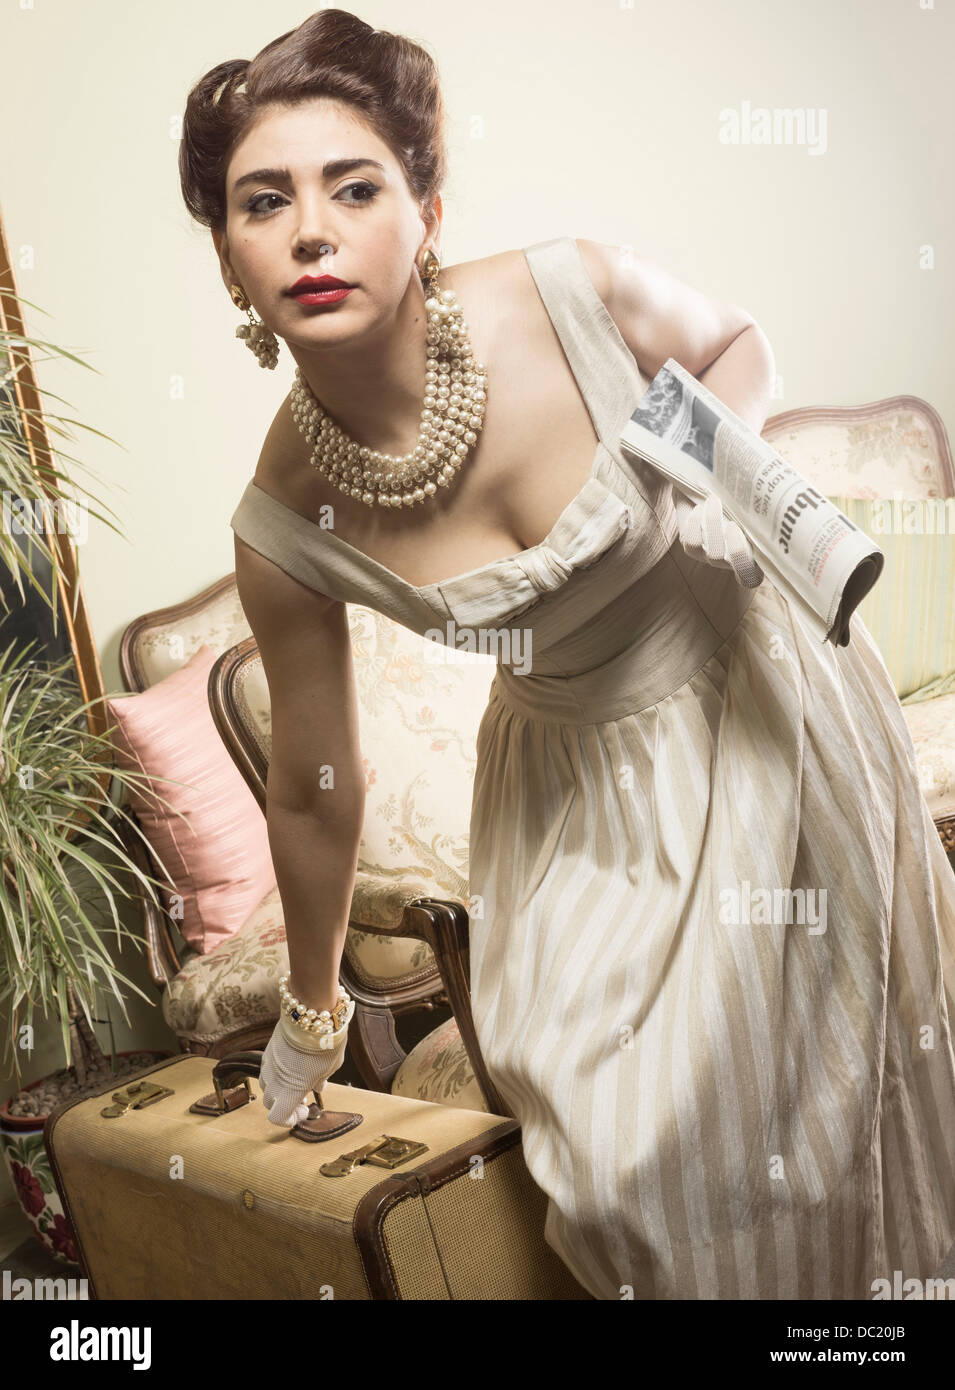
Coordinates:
x,y
316,785
659,316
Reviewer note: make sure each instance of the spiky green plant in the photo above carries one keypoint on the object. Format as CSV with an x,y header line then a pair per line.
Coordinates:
x,y
65,845
38,484
58,823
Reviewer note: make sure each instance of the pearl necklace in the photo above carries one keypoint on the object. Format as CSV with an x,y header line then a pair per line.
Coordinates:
x,y
451,417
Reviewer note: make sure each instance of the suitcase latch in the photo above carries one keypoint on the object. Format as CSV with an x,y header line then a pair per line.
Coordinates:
x,y
134,1097
387,1151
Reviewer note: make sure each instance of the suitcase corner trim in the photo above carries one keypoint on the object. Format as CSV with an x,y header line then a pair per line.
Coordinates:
x,y
375,1205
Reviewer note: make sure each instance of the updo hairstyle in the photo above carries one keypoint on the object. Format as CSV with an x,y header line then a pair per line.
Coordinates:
x,y
390,81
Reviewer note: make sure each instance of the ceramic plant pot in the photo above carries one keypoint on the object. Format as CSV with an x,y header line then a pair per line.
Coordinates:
x,y
28,1163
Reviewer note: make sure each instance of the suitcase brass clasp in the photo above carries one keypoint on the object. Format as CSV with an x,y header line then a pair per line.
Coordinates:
x,y
387,1151
134,1096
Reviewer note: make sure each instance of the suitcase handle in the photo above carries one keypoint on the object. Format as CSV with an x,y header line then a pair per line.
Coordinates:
x,y
238,1064
229,1069
244,1065
230,1077
323,1124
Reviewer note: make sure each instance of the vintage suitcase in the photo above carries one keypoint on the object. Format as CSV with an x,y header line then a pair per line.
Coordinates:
x,y
168,1203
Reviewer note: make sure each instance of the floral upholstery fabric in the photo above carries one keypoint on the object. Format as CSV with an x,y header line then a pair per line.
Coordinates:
x,y
418,720
163,646
932,726
386,960
873,452
438,1070
236,985
419,717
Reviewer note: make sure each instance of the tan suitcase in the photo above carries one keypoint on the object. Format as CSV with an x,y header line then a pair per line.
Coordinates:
x,y
167,1203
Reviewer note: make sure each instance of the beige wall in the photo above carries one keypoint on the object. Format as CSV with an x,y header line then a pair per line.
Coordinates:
x,y
594,119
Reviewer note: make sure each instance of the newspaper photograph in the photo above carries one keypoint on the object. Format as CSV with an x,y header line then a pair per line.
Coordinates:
x,y
809,549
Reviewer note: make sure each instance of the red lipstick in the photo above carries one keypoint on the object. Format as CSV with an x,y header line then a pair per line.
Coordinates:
x,y
319,289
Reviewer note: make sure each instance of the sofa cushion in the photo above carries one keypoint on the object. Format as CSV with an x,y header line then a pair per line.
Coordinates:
x,y
235,986
212,837
932,726
438,1070
420,707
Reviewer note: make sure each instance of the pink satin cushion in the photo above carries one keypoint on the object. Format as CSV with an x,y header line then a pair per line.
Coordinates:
x,y
219,855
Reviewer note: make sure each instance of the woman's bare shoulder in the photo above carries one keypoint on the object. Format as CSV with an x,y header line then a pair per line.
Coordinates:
x,y
593,253
497,262
503,281
489,286
501,300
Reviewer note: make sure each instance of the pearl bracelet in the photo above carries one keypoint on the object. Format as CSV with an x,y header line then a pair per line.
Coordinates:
x,y
310,1020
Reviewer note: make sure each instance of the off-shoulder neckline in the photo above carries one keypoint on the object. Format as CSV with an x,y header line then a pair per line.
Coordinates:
x,y
329,537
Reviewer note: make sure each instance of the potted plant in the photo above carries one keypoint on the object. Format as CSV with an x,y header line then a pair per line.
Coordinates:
x,y
66,852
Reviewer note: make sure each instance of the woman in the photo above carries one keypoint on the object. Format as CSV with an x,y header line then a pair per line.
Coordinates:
x,y
715,1106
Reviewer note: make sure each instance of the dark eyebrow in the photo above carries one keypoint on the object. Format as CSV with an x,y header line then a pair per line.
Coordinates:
x,y
330,170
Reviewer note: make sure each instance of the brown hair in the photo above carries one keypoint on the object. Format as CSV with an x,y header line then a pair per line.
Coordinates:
x,y
391,82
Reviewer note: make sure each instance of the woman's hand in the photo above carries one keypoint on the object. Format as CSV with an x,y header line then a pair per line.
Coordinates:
x,y
296,1063
708,535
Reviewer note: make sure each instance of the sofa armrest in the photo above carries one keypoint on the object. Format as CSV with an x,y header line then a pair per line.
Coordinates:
x,y
444,925
381,900
165,952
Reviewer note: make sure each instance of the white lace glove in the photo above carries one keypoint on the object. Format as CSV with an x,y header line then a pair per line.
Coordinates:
x,y
296,1063
707,534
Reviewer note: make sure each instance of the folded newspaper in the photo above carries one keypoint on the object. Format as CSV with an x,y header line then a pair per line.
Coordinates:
x,y
807,547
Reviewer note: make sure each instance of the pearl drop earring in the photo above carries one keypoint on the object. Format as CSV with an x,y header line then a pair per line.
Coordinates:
x,y
258,337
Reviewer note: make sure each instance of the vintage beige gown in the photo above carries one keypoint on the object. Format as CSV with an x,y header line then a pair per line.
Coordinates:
x,y
715,1109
